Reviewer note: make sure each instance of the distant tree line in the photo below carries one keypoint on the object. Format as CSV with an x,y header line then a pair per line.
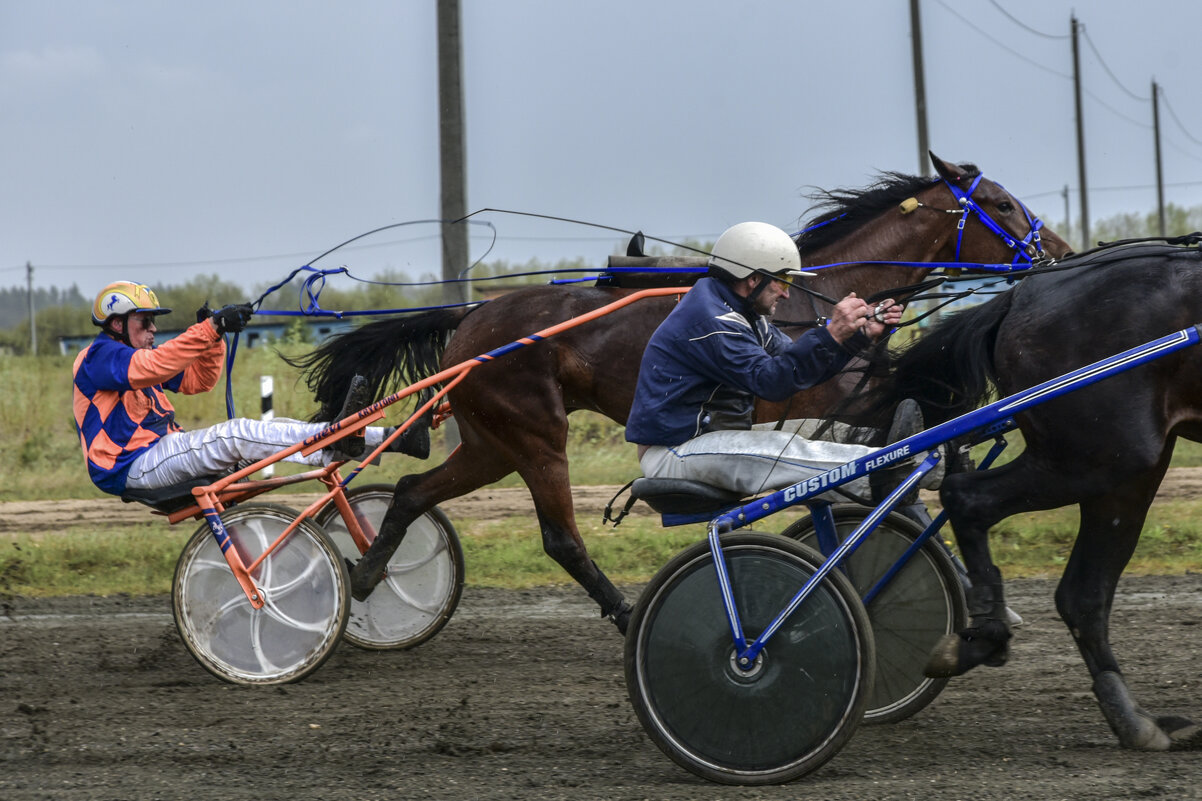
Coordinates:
x,y
60,312
68,312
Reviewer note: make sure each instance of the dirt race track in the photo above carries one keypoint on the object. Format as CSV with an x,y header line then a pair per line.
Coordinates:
x,y
522,696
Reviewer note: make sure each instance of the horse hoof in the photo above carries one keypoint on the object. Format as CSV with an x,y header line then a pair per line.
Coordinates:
x,y
359,591
944,661
1183,732
1134,727
955,654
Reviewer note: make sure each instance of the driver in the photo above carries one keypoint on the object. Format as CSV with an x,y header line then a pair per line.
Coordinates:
x,y
717,351
127,425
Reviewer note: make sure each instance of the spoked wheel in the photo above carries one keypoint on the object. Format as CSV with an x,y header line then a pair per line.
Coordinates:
x,y
303,581
797,705
424,579
920,604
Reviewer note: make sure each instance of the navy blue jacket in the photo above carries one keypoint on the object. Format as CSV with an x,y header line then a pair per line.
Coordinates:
x,y
710,359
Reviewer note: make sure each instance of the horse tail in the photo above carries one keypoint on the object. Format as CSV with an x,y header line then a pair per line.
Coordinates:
x,y
389,353
949,370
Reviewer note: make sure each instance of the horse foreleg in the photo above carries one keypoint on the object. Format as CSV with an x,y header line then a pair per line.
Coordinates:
x,y
1110,529
975,501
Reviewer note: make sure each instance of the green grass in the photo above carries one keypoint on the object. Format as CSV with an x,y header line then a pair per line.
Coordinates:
x,y
140,559
40,459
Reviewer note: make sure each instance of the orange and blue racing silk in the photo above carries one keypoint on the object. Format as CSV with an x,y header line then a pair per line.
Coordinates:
x,y
120,405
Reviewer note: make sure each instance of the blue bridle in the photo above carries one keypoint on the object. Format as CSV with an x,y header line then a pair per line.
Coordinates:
x,y
969,206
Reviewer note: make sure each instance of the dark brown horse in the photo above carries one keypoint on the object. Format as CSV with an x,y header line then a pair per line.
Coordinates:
x,y
1104,448
512,413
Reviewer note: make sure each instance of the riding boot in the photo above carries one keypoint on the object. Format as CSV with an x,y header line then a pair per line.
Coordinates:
x,y
416,439
612,602
358,396
907,421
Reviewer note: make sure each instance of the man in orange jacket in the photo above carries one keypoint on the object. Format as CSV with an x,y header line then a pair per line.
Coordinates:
x,y
127,425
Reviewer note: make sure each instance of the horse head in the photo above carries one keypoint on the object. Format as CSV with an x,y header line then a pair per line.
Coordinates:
x,y
994,226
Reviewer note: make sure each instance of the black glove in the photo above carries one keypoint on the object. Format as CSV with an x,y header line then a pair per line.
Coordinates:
x,y
232,319
203,313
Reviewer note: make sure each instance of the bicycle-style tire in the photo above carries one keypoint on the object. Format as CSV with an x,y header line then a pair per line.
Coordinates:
x,y
806,694
304,583
424,579
923,602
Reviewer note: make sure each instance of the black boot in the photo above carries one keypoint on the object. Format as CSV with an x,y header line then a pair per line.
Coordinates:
x,y
414,442
358,397
416,439
907,421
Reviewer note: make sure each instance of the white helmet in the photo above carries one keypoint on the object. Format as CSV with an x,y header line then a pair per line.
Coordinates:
x,y
756,247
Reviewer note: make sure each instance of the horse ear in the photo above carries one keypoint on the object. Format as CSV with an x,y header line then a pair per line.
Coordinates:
x,y
949,172
635,248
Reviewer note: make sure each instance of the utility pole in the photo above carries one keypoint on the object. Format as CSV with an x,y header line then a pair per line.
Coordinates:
x,y
920,92
1159,172
1080,136
451,151
1068,224
33,322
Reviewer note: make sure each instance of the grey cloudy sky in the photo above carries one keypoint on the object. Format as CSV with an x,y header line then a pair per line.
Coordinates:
x,y
155,141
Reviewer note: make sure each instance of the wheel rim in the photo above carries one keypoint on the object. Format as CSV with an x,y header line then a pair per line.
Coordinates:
x,y
779,714
421,588
908,615
304,601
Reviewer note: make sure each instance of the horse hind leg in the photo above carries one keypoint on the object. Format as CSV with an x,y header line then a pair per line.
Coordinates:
x,y
467,469
1110,528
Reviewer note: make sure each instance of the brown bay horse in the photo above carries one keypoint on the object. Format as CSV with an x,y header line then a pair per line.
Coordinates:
x,y
512,413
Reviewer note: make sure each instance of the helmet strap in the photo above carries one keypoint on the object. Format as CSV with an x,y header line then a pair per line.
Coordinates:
x,y
123,334
764,281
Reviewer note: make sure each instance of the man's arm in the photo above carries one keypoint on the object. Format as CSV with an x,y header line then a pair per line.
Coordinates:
x,y
200,343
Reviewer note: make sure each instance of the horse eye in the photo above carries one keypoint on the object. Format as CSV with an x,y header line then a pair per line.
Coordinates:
x,y
1005,207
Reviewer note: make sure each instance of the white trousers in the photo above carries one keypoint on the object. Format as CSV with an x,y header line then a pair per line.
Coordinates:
x,y
751,462
186,455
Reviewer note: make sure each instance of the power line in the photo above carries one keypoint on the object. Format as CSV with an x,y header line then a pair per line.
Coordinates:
x,y
1116,112
1102,61
1002,45
1024,25
1177,119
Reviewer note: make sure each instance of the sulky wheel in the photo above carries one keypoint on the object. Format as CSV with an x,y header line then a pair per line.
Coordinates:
x,y
802,699
424,580
303,581
923,602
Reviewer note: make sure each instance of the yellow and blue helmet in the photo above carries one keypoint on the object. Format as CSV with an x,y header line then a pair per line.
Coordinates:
x,y
125,297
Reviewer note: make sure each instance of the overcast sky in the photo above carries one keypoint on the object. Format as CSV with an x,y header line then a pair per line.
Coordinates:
x,y
155,141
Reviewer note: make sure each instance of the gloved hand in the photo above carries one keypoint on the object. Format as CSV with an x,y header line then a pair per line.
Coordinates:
x,y
203,313
232,319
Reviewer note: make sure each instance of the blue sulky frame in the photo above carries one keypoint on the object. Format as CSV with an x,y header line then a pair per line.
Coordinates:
x,y
995,417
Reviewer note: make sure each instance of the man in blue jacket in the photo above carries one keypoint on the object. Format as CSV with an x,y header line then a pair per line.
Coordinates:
x,y
717,351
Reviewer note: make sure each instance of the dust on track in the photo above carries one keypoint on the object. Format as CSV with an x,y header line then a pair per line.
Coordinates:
x,y
522,696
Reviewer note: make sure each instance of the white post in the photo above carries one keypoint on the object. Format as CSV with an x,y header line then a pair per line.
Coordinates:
x,y
267,413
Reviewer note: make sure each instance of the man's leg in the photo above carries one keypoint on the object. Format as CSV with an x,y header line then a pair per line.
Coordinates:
x,y
750,462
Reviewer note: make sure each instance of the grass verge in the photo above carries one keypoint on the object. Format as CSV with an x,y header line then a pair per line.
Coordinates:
x,y
140,559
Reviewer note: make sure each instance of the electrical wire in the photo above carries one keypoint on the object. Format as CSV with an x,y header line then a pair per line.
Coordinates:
x,y
1106,67
1002,45
1169,106
1025,26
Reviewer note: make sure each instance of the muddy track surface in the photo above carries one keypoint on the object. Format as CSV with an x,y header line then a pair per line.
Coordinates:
x,y
522,696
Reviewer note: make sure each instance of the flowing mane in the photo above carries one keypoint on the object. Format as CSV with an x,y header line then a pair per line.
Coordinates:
x,y
842,211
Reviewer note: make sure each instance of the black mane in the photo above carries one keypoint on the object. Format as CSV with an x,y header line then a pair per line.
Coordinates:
x,y
845,210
